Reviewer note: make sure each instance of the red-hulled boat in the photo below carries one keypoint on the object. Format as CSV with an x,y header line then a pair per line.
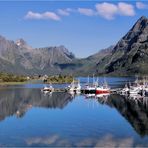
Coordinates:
x,y
102,90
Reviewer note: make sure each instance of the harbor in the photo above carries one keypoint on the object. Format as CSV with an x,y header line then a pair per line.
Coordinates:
x,y
137,87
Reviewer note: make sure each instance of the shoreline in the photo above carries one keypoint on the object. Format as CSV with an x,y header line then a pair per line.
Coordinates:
x,y
12,83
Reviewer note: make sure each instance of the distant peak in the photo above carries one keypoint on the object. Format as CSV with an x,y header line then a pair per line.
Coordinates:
x,y
143,18
140,25
21,42
62,47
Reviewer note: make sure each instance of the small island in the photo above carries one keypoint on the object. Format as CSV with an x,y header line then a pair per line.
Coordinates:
x,y
13,79
58,79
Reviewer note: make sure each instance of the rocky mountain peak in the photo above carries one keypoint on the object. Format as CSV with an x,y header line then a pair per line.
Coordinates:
x,y
130,55
136,35
60,48
140,26
21,43
66,51
61,51
142,18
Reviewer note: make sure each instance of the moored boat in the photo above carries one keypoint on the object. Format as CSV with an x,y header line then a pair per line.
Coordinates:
x,y
74,87
48,89
103,89
91,88
125,90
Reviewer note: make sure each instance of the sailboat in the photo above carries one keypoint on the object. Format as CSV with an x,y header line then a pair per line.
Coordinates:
x,y
91,88
74,87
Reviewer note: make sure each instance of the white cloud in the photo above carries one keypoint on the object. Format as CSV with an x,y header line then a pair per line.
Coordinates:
x,y
51,15
86,11
33,15
45,15
106,10
141,5
64,12
109,10
126,9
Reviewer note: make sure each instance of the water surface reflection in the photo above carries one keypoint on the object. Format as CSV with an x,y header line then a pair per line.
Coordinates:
x,y
29,117
18,101
134,109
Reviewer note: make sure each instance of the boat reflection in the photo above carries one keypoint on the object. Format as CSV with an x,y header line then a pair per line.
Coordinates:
x,y
18,101
97,96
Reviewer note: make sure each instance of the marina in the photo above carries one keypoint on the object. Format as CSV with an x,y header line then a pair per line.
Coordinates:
x,y
138,87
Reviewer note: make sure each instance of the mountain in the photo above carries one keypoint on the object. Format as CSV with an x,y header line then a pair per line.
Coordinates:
x,y
19,57
128,57
130,54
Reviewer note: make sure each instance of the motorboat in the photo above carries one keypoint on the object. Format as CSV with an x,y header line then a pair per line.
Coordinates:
x,y
48,89
74,87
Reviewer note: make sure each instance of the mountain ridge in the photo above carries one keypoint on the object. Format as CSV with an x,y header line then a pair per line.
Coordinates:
x,y
128,57
51,60
27,58
130,54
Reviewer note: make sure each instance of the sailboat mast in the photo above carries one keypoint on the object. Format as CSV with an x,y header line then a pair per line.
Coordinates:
x,y
93,80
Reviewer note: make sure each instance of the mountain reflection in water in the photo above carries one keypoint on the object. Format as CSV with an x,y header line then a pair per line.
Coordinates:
x,y
134,109
18,101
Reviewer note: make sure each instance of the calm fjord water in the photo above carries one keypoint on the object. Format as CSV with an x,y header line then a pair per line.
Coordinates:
x,y
30,118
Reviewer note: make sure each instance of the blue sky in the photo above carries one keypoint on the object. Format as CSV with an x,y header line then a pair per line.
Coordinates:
x,y
84,27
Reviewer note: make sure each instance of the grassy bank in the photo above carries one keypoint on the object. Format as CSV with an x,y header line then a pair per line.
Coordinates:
x,y
11,79
12,83
59,79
